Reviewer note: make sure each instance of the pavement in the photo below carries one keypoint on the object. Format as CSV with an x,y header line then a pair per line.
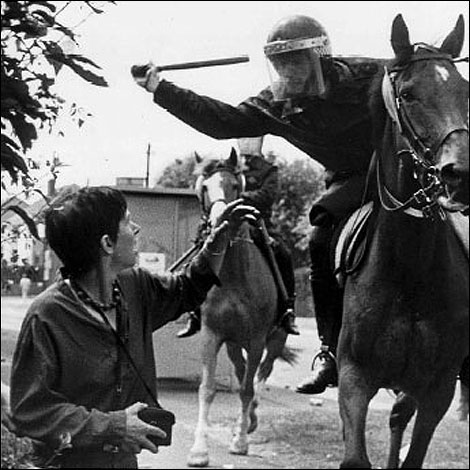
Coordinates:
x,y
180,396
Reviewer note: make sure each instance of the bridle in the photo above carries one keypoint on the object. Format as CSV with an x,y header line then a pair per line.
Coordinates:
x,y
201,190
423,203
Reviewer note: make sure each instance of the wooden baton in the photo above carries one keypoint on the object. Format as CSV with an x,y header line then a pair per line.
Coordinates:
x,y
140,70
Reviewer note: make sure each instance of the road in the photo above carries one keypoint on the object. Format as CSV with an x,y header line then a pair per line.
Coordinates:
x,y
181,398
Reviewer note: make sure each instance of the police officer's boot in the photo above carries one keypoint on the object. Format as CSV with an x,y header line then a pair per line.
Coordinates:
x,y
327,299
324,374
193,325
288,318
328,310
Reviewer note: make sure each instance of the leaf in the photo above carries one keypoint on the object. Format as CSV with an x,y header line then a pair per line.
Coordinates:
x,y
12,159
87,74
25,131
67,31
95,10
56,54
44,4
44,16
27,220
7,141
81,58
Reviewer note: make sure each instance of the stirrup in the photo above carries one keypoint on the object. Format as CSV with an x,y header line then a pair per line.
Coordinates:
x,y
324,350
192,327
287,322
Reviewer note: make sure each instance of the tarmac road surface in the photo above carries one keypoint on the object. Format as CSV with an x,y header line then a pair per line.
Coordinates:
x,y
180,397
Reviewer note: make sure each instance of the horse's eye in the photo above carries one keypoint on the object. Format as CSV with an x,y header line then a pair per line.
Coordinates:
x,y
407,95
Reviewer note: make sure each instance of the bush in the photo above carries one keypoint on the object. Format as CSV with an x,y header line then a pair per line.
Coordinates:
x,y
16,452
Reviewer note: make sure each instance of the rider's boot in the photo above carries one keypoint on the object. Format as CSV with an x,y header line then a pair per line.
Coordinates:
x,y
328,316
286,268
327,299
193,325
288,318
324,374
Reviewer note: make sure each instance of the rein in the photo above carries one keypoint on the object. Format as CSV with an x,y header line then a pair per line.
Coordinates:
x,y
426,174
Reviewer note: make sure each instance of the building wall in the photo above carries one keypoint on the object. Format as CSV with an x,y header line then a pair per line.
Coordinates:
x,y
168,220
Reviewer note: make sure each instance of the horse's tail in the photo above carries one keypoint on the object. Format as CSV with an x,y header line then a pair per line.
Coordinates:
x,y
276,349
290,355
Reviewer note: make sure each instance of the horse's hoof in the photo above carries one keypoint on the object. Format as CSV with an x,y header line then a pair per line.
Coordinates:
x,y
198,459
238,448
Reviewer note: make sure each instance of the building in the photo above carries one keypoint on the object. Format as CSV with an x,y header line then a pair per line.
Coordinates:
x,y
168,219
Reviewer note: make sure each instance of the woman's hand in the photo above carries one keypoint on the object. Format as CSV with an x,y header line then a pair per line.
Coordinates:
x,y
137,431
234,214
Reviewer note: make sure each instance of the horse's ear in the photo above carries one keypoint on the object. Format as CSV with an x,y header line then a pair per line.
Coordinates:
x,y
197,157
453,43
233,158
401,39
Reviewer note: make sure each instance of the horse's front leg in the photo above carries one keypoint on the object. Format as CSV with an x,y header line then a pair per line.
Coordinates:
x,y
402,412
239,443
199,453
354,395
431,409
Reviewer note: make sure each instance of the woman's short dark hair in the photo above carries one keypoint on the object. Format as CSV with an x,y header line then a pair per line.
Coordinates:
x,y
74,230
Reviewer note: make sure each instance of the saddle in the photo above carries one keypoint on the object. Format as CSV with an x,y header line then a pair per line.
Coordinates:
x,y
353,238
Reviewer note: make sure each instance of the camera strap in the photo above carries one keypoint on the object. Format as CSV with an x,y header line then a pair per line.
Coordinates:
x,y
117,303
121,344
129,357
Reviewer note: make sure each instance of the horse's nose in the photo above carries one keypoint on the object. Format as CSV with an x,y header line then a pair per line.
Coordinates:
x,y
453,162
453,165
454,174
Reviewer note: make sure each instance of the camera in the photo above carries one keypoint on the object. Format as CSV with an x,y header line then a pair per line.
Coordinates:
x,y
161,418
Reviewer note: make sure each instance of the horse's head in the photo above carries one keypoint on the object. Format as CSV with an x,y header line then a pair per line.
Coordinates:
x,y
427,100
219,182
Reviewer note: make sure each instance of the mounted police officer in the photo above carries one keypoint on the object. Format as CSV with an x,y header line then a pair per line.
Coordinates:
x,y
319,104
261,188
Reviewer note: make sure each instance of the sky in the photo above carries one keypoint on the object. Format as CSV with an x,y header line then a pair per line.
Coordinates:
x,y
113,142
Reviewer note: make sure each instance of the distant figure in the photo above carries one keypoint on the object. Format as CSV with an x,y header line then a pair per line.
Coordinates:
x,y
27,273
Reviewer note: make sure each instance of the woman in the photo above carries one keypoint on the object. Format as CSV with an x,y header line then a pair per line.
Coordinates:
x,y
71,386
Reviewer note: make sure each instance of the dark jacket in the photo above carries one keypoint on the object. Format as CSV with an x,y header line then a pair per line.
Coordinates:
x,y
65,374
335,131
262,186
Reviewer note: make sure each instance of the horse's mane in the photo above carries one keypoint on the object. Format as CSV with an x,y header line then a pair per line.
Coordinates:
x,y
377,109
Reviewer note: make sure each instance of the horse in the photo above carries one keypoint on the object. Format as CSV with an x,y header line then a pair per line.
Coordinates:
x,y
405,307
240,312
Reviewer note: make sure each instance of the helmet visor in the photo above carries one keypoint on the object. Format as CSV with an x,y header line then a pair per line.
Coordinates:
x,y
295,69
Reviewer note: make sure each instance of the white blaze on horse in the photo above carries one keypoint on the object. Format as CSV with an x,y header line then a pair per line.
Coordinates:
x,y
241,313
405,324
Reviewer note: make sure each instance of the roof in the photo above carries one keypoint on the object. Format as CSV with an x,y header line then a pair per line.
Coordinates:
x,y
160,190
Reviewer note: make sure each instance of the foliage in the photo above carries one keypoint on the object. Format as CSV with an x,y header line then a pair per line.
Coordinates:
x,y
16,452
179,174
33,51
301,182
